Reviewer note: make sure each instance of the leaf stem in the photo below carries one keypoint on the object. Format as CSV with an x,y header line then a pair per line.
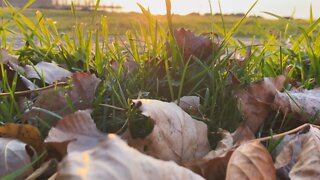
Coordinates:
x,y
286,133
19,93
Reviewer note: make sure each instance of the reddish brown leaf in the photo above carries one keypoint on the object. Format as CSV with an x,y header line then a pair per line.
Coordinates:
x,y
213,169
81,94
251,161
242,134
255,101
191,44
11,67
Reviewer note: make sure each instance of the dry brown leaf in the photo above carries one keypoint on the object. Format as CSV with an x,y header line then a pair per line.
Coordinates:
x,y
75,132
255,101
304,105
242,134
114,159
49,72
25,133
81,94
213,169
300,156
13,156
11,67
191,44
223,146
251,161
175,136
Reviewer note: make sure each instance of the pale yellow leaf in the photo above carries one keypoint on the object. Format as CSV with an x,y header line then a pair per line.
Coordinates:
x,y
114,159
175,136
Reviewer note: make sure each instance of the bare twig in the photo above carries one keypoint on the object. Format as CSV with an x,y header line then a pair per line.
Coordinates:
x,y
286,133
19,93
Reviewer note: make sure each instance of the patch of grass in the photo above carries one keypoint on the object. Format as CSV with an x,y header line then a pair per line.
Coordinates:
x,y
98,40
120,23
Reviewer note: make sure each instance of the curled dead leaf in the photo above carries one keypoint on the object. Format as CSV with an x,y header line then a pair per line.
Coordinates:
x,y
255,101
75,132
300,156
304,105
13,156
223,146
114,159
242,134
251,161
213,169
175,136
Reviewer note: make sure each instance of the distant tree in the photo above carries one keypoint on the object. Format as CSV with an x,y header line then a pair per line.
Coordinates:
x,y
194,14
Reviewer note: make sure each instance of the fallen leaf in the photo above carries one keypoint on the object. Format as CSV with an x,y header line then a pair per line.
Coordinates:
x,y
25,133
49,72
11,67
255,101
175,136
81,95
190,44
212,169
251,161
46,170
75,132
242,134
289,148
223,146
13,156
114,159
300,156
6,58
189,103
304,105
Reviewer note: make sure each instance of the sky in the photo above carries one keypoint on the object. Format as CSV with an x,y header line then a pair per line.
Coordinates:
x,y
297,8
